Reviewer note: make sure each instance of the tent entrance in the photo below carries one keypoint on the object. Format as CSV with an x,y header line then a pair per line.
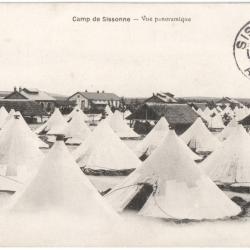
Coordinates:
x,y
140,198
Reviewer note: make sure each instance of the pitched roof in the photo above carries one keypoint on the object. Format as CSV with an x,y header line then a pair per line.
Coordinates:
x,y
26,107
228,100
36,95
174,113
99,96
58,97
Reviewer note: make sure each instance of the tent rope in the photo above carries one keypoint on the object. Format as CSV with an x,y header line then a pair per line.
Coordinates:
x,y
112,191
157,204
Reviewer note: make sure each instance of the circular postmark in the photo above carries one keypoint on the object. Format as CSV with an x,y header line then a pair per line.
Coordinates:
x,y
241,50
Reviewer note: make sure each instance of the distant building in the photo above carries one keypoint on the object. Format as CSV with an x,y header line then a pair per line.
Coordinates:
x,y
30,110
179,116
161,97
198,105
227,101
47,100
95,100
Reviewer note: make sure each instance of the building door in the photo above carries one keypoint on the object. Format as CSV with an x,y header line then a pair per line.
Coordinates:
x,y
82,104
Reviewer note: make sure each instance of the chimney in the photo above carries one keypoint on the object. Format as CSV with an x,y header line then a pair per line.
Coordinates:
x,y
103,91
20,89
15,89
97,91
86,90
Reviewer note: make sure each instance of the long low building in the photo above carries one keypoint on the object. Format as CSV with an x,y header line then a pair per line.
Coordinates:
x,y
179,116
30,110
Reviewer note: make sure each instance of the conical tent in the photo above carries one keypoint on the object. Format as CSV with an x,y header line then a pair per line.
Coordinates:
x,y
74,111
170,185
10,115
19,152
55,124
27,129
203,115
216,122
230,163
153,139
103,149
214,111
108,110
120,126
3,116
207,111
59,185
77,130
228,130
199,138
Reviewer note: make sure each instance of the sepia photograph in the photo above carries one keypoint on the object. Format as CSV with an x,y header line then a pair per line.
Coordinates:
x,y
124,124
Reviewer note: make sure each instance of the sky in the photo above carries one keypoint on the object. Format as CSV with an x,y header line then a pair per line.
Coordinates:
x,y
41,47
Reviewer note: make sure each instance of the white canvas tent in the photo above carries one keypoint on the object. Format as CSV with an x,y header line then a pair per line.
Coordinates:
x,y
203,115
207,111
108,111
19,150
214,111
228,130
120,126
153,139
77,130
216,122
10,115
3,116
55,124
104,150
230,163
28,131
77,110
173,186
199,138
60,186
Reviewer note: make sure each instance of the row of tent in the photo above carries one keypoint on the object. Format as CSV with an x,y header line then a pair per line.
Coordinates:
x,y
75,128
214,117
175,186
